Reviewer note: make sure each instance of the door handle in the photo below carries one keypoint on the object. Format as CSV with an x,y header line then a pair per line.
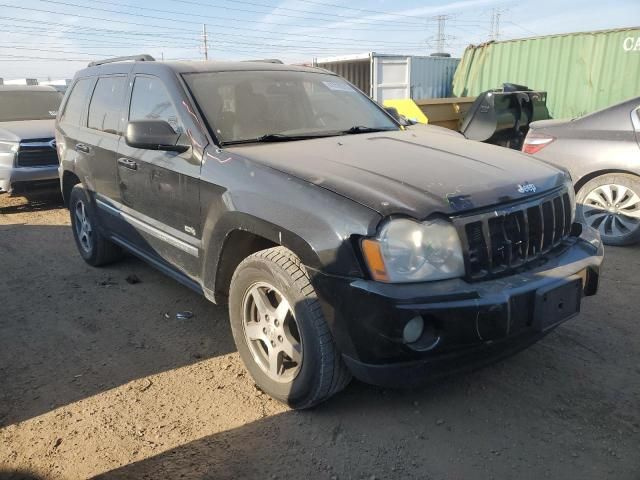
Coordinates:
x,y
128,163
81,147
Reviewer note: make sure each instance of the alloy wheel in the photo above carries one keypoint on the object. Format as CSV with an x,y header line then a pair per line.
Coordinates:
x,y
271,332
613,209
84,230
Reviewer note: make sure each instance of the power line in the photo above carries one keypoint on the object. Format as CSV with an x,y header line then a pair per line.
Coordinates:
x,y
56,51
524,29
233,46
6,56
288,9
70,37
375,12
218,17
164,27
225,42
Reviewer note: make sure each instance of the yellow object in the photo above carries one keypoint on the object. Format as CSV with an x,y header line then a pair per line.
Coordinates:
x,y
408,108
373,257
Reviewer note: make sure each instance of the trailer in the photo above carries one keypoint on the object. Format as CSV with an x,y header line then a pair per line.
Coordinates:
x,y
386,76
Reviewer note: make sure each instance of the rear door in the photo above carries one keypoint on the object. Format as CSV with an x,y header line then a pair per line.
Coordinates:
x,y
160,190
104,127
69,130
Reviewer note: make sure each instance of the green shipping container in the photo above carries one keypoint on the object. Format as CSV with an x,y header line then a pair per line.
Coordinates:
x,y
582,72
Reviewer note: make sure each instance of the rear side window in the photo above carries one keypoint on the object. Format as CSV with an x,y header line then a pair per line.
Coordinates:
x,y
151,101
76,103
105,107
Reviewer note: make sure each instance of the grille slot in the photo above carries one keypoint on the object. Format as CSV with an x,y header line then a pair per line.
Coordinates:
x,y
498,242
36,154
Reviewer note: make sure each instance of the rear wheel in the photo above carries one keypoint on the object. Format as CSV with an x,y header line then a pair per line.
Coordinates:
x,y
280,330
611,204
94,247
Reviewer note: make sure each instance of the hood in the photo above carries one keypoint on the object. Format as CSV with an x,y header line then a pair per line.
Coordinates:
x,y
413,172
27,130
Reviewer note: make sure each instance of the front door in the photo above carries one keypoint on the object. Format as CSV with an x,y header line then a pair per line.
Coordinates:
x,y
159,190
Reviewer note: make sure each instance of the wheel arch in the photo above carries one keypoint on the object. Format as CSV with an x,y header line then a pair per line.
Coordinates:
x,y
69,180
238,235
599,173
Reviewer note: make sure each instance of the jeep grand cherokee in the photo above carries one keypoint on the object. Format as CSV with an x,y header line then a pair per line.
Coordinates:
x,y
343,243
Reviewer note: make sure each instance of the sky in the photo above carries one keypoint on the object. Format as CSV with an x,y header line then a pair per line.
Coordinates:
x,y
55,38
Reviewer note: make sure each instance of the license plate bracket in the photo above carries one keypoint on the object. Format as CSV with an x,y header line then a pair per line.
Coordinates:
x,y
556,304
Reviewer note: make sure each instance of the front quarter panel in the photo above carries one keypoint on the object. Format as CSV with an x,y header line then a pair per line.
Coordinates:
x,y
316,224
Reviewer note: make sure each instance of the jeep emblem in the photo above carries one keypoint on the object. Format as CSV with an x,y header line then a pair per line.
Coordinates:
x,y
527,188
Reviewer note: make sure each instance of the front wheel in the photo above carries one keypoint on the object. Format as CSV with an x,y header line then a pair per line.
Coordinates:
x,y
611,204
280,331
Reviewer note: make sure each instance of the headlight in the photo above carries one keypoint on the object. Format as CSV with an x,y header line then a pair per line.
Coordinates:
x,y
8,147
408,251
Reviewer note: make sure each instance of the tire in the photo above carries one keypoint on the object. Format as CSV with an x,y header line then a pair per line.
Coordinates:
x,y
611,204
93,246
274,276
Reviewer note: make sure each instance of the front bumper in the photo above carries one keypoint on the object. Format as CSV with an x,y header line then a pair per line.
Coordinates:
x,y
12,177
469,324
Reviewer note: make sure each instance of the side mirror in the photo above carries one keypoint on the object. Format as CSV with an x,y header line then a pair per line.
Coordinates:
x,y
393,111
154,135
401,119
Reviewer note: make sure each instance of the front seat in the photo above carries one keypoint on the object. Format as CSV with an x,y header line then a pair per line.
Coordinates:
x,y
252,118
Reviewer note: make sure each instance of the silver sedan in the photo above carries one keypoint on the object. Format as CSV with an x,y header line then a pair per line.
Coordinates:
x,y
602,152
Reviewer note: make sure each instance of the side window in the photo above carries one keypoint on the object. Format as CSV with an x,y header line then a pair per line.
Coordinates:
x,y
77,102
151,101
106,104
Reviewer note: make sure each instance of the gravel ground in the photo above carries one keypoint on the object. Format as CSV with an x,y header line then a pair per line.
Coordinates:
x,y
99,378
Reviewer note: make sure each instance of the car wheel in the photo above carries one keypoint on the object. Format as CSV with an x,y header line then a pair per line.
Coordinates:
x,y
611,204
94,248
280,330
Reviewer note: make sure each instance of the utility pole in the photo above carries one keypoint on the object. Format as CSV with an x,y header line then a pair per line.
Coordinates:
x,y
205,41
495,24
441,37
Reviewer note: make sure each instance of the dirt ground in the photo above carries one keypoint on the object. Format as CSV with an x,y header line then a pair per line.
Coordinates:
x,y
99,378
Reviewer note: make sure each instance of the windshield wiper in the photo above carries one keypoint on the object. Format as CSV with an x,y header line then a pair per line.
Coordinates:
x,y
275,137
363,129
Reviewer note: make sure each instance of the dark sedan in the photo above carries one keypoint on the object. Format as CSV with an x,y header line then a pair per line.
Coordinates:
x,y
602,152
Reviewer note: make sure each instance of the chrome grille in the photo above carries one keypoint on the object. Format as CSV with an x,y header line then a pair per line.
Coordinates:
x,y
499,241
37,154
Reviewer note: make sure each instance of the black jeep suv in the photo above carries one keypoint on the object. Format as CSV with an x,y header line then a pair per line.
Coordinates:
x,y
343,243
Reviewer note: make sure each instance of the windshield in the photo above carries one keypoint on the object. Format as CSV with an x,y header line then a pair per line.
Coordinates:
x,y
16,105
278,105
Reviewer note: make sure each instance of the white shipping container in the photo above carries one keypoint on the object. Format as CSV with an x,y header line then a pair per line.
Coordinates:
x,y
385,77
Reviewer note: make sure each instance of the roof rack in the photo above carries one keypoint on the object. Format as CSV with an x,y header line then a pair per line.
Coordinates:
x,y
266,60
135,58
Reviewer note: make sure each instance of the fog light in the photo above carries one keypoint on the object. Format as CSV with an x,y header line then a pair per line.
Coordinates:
x,y
413,330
